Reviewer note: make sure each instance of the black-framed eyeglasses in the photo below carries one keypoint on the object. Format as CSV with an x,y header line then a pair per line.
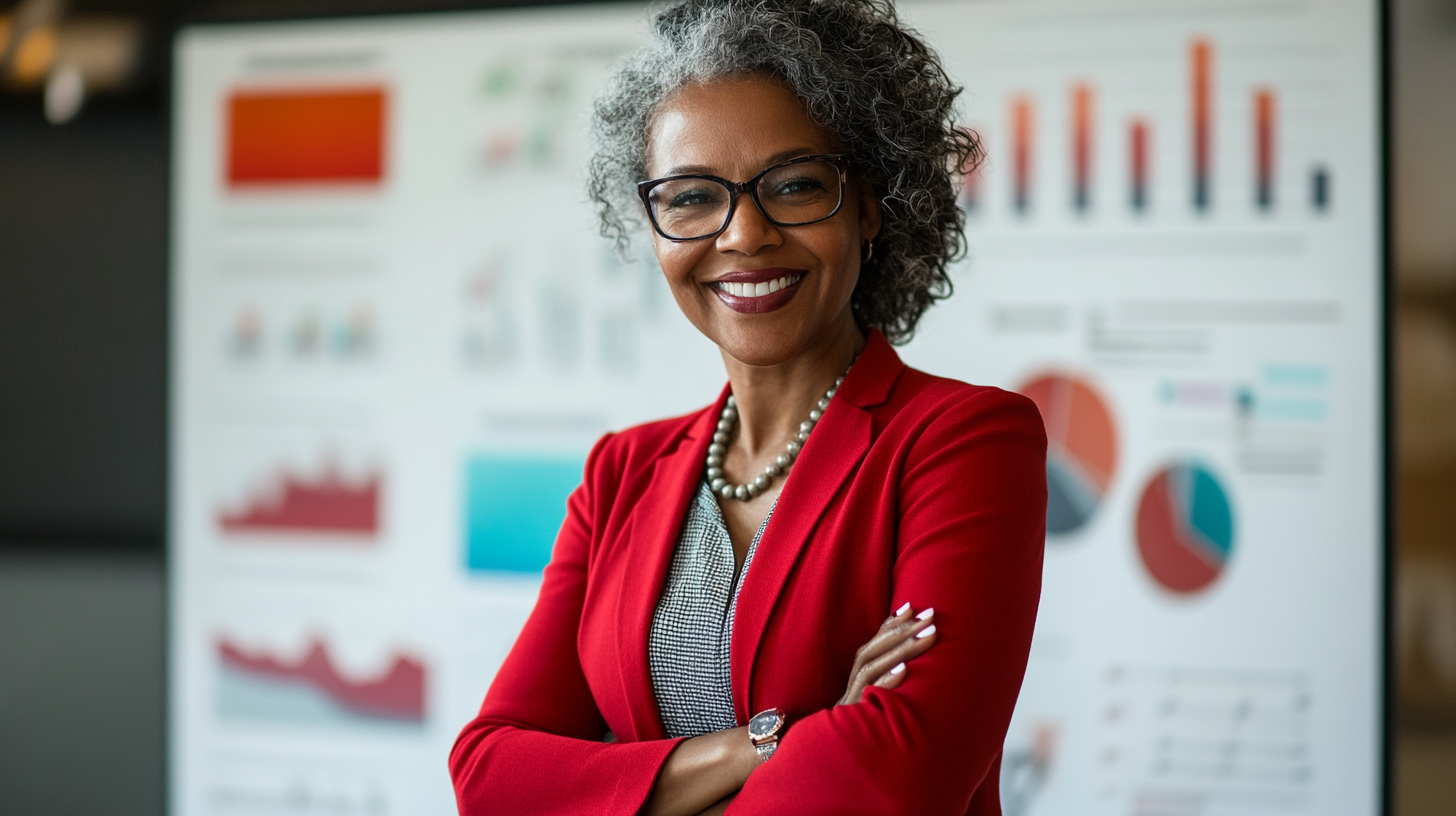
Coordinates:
x,y
790,194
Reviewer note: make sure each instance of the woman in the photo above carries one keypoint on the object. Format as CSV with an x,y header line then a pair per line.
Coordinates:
x,y
712,632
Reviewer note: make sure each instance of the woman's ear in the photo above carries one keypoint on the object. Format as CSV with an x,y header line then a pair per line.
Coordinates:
x,y
869,213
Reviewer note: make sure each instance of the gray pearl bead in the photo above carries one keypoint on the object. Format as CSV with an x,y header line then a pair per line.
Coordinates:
x,y
741,493
823,403
806,426
773,469
714,473
815,414
782,461
724,426
716,449
715,461
731,402
792,448
831,393
802,436
838,381
759,483
717,484
721,438
726,491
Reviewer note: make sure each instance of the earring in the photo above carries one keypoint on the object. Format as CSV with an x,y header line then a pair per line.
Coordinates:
x,y
870,253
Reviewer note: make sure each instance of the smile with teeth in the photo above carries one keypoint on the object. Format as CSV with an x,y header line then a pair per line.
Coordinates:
x,y
751,290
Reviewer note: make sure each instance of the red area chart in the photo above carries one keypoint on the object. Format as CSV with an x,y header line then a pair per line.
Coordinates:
x,y
311,689
1081,448
328,503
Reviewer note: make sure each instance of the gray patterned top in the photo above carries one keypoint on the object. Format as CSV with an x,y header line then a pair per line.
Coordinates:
x,y
688,645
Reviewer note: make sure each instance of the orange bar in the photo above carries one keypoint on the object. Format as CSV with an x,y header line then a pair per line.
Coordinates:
x,y
306,137
1139,147
1081,145
1202,70
970,173
1264,147
1021,114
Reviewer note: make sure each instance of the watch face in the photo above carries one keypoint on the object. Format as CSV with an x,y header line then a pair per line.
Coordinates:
x,y
765,724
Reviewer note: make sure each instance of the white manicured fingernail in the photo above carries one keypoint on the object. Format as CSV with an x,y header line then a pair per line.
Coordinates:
x,y
902,610
899,668
927,631
926,614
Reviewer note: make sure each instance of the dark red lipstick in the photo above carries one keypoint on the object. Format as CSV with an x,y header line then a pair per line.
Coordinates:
x,y
756,291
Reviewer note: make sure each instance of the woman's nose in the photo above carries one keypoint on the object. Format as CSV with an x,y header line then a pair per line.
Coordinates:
x,y
748,230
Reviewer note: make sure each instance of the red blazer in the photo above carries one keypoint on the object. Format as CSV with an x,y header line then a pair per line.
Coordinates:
x,y
912,488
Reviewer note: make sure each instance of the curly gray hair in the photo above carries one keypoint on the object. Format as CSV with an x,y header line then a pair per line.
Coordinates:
x,y
861,75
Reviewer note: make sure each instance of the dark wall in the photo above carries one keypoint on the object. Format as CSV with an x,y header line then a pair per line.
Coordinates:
x,y
83,271
81,682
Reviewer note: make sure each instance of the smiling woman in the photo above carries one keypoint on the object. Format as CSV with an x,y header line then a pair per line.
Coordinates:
x,y
817,593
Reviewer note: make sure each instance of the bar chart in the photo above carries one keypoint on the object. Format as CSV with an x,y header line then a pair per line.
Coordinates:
x,y
1195,122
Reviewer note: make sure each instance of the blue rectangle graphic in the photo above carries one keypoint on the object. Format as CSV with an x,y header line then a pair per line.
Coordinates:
x,y
514,506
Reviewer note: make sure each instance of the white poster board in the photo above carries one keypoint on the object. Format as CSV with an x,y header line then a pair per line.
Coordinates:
x,y
388,367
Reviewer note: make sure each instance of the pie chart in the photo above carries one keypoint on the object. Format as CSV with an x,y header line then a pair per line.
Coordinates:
x,y
1081,448
1185,528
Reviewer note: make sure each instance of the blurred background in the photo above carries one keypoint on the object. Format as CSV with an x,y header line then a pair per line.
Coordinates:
x,y
83,319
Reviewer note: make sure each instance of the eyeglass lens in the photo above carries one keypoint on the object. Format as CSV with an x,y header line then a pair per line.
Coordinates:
x,y
791,194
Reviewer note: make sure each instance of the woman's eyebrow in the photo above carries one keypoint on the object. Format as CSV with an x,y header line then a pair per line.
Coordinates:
x,y
689,170
794,153
704,170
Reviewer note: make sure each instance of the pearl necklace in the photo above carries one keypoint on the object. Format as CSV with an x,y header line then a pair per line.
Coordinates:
x,y
719,448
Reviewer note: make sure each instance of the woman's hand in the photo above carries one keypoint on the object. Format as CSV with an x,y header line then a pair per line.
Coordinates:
x,y
881,662
703,773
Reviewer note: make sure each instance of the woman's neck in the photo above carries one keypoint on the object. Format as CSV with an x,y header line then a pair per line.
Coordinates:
x,y
773,400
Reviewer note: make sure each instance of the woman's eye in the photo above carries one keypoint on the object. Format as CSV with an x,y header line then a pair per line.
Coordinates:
x,y
697,197
799,186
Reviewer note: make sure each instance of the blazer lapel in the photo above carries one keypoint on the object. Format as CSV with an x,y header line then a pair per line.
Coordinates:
x,y
829,458
654,530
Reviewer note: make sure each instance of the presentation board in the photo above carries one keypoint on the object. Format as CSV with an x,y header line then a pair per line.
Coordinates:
x,y
388,368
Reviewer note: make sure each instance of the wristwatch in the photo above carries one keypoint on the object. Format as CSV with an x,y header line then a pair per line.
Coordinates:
x,y
764,731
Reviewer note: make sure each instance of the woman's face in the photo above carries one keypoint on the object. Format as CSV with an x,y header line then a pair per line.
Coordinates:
x,y
734,129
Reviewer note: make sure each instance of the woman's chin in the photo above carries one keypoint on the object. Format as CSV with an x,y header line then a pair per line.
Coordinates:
x,y
762,346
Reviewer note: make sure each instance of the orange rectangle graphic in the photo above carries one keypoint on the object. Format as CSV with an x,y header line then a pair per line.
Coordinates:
x,y
292,137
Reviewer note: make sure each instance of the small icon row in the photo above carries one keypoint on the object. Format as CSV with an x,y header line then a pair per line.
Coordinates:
x,y
309,334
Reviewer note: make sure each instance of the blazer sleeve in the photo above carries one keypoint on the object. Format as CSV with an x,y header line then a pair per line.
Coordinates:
x,y
537,747
972,516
